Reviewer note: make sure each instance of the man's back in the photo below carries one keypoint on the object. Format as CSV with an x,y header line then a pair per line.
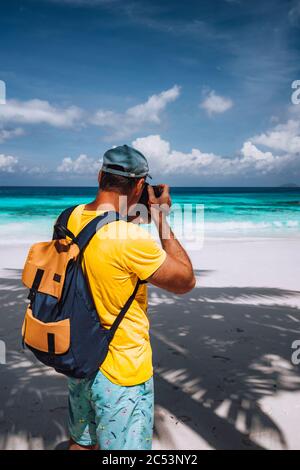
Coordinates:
x,y
117,256
115,408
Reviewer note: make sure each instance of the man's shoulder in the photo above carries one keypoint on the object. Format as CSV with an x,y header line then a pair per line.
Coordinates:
x,y
127,236
136,231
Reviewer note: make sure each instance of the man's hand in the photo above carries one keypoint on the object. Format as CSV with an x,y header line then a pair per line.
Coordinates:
x,y
176,273
163,202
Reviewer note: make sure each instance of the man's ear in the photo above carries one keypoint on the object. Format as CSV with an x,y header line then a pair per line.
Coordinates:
x,y
139,185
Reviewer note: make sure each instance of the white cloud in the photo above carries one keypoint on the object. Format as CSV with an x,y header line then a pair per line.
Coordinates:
x,y
283,144
6,134
8,163
163,159
262,161
125,124
250,151
216,104
250,160
283,137
82,165
39,112
156,150
121,125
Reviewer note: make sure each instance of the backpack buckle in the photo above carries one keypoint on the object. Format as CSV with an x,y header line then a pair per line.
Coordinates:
x,y
62,232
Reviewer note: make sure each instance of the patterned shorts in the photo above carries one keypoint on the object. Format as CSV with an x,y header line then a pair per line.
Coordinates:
x,y
113,416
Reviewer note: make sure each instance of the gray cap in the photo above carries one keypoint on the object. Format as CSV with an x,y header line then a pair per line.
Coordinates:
x,y
134,163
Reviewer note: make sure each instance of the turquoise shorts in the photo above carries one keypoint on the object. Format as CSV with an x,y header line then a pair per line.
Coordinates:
x,y
113,416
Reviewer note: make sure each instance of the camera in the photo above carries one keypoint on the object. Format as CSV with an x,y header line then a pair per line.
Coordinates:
x,y
144,199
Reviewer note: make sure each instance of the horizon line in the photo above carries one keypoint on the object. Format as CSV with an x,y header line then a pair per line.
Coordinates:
x,y
283,186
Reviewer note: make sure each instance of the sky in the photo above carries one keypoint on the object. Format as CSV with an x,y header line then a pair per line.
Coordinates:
x,y
208,90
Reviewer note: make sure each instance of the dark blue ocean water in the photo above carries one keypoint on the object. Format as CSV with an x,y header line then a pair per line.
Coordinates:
x,y
27,213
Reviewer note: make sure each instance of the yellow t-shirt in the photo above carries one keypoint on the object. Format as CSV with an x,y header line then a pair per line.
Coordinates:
x,y
115,258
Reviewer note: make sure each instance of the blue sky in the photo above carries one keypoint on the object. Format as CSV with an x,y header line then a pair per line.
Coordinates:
x,y
202,88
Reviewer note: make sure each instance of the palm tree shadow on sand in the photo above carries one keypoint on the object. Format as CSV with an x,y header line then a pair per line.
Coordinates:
x,y
217,353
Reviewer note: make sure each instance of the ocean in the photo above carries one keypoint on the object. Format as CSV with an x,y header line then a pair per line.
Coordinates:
x,y
27,214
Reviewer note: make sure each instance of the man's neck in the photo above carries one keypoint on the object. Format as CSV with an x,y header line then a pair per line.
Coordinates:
x,y
108,200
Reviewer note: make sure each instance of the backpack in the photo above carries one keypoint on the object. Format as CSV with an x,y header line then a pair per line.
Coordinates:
x,y
62,327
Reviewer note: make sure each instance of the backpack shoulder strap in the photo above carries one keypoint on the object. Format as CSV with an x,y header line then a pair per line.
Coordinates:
x,y
62,222
125,308
82,241
87,233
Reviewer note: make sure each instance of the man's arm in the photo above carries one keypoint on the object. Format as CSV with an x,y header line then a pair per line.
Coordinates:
x,y
176,273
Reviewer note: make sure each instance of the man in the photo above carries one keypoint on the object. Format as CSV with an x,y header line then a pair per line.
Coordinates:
x,y
114,410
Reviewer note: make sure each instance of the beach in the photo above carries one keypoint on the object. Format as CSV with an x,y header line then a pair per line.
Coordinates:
x,y
100,100
222,354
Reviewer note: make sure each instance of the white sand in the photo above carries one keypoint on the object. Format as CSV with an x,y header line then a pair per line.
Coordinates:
x,y
222,355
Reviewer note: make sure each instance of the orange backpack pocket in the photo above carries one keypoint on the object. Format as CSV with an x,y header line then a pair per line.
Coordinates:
x,y
51,337
46,265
